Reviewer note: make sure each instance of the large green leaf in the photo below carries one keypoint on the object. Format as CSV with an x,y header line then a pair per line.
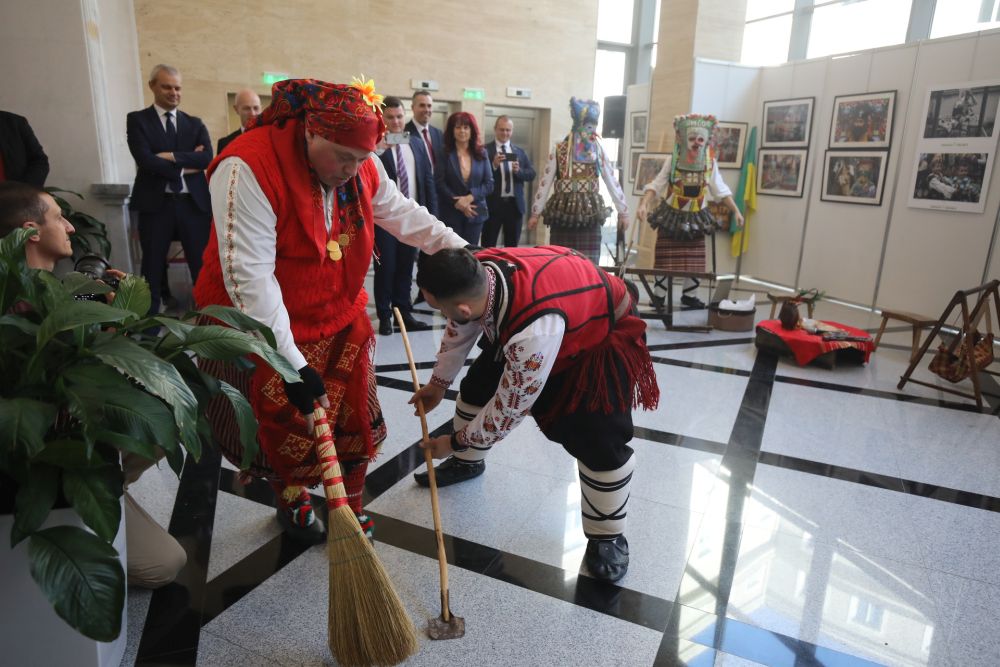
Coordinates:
x,y
217,342
238,320
94,494
12,266
159,377
246,420
36,494
80,283
119,412
25,421
82,577
133,295
75,313
68,453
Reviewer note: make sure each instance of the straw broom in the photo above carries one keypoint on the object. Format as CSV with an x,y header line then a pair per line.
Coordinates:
x,y
367,624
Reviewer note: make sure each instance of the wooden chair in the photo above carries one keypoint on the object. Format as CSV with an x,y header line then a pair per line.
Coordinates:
x,y
987,293
777,299
917,322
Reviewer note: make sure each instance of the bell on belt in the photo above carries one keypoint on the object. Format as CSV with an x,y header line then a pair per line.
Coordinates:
x,y
333,249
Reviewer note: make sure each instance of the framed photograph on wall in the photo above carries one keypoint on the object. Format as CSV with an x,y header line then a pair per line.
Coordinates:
x,y
962,111
648,167
781,171
854,177
787,123
639,125
951,181
862,121
634,162
730,142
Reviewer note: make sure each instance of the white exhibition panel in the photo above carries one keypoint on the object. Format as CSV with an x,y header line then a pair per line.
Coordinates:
x,y
889,255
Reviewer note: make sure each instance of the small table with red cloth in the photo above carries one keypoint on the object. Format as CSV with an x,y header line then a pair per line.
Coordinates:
x,y
807,347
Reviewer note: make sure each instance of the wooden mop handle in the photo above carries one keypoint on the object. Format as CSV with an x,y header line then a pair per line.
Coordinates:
x,y
442,558
333,477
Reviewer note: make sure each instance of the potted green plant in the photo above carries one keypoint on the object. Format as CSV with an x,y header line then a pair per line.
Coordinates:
x,y
84,381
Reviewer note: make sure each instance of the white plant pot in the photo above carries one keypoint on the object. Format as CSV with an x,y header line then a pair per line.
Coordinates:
x,y
30,631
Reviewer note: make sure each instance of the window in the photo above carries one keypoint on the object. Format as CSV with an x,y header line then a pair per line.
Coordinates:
x,y
957,16
866,613
843,27
614,21
766,42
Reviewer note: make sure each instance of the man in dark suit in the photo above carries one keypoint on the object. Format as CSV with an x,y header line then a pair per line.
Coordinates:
x,y
422,106
246,105
405,161
171,151
21,156
511,170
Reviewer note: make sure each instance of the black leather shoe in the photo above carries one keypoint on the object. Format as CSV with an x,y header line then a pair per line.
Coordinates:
x,y
384,327
314,533
451,471
657,301
419,298
692,302
413,324
607,560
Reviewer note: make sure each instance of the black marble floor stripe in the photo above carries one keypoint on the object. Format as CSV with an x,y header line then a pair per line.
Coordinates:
x,y
677,440
407,385
887,482
878,393
696,344
725,370
174,619
739,464
387,474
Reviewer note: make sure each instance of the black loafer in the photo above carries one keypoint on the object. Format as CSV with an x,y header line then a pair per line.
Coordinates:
x,y
314,533
692,302
384,327
451,471
413,324
607,560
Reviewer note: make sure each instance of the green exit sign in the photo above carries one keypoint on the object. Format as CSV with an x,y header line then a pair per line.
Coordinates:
x,y
474,94
271,78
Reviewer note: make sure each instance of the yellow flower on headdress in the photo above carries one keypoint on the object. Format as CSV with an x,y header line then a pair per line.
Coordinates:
x,y
367,88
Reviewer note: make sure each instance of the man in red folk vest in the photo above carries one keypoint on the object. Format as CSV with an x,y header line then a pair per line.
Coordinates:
x,y
295,201
563,343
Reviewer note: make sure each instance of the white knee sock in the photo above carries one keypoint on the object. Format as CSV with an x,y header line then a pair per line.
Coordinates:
x,y
465,413
604,497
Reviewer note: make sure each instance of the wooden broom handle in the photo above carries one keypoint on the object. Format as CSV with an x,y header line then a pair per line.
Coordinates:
x,y
442,558
326,452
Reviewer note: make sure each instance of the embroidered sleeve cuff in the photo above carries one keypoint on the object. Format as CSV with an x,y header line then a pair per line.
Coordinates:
x,y
456,442
440,382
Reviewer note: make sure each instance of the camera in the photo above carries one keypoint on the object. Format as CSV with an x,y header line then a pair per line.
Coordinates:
x,y
95,267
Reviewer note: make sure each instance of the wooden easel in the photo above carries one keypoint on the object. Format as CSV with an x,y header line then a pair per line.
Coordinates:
x,y
967,330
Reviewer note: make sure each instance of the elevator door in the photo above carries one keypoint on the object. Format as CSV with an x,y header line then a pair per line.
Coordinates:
x,y
526,135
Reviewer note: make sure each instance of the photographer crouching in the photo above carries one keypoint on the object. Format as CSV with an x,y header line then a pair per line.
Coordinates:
x,y
154,557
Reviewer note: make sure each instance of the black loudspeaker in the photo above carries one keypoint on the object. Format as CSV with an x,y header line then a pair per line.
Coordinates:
x,y
614,117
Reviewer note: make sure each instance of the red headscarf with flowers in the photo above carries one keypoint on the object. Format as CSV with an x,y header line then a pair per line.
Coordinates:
x,y
349,115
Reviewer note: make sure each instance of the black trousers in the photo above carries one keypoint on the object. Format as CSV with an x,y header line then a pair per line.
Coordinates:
x,y
180,219
598,440
504,215
393,274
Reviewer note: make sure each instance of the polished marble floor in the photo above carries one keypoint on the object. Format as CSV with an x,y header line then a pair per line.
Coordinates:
x,y
778,516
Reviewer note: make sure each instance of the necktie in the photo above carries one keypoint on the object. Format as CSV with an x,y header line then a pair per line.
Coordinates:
x,y
507,184
401,175
430,147
175,185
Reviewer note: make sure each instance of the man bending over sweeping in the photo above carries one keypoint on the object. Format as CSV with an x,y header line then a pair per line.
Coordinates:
x,y
563,343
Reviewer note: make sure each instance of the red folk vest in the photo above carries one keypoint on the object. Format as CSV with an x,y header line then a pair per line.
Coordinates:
x,y
322,296
552,279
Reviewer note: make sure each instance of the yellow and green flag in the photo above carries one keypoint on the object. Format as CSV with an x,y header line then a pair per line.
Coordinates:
x,y
745,196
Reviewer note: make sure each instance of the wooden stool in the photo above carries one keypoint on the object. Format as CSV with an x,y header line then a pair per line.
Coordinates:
x,y
778,299
917,322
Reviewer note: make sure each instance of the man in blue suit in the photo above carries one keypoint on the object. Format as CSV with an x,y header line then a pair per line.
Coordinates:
x,y
511,170
170,194
406,162
422,106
